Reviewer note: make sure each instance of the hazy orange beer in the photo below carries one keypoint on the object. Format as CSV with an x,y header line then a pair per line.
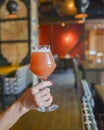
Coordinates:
x,y
42,63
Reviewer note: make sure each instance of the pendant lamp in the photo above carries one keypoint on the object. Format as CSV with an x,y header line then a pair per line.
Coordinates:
x,y
12,7
81,6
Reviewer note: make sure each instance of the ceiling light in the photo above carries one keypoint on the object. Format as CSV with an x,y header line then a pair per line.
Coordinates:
x,y
65,7
63,24
12,7
81,6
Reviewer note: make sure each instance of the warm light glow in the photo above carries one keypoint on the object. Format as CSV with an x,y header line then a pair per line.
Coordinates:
x,y
71,7
63,24
69,41
12,16
66,7
71,4
79,16
66,38
69,37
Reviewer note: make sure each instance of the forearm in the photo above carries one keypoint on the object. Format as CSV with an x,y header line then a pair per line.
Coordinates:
x,y
11,115
31,99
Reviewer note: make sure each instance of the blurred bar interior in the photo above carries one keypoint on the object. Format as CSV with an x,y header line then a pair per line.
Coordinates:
x,y
74,29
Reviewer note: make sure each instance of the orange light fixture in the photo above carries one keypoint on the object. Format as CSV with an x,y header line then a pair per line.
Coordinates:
x,y
81,15
11,16
71,8
65,7
81,21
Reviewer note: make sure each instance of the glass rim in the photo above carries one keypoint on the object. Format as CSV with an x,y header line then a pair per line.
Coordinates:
x,y
39,47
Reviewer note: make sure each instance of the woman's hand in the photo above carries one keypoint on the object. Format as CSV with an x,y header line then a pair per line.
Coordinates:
x,y
36,97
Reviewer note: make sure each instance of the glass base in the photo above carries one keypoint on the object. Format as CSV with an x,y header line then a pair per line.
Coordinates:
x,y
53,107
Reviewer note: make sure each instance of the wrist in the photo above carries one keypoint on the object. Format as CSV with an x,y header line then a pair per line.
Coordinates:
x,y
21,107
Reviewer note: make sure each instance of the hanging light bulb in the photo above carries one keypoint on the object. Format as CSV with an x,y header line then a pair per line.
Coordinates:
x,y
12,8
81,6
65,7
71,9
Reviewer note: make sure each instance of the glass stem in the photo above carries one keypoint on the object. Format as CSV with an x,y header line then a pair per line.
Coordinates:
x,y
43,79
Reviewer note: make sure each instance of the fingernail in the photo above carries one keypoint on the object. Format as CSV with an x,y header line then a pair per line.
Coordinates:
x,y
51,82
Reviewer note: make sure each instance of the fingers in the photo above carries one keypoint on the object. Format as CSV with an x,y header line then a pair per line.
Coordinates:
x,y
48,102
42,94
41,86
45,103
43,97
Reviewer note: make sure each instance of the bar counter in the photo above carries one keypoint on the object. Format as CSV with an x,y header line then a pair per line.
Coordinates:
x,y
91,69
66,117
100,91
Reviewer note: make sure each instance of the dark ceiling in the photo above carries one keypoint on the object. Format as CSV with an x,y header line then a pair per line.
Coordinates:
x,y
96,9
47,12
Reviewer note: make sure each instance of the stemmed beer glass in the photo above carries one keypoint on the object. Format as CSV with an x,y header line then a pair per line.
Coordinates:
x,y
42,64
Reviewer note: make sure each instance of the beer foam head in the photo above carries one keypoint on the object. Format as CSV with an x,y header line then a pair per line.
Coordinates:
x,y
41,49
